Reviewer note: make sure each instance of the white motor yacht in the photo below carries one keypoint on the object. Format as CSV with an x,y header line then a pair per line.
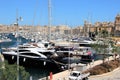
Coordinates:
x,y
29,51
84,41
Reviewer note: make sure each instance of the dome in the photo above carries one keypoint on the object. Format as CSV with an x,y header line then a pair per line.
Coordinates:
x,y
118,15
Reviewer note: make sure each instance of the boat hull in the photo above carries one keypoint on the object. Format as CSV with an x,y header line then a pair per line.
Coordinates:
x,y
32,62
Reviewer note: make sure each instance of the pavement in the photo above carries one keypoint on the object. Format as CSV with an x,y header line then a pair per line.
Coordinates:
x,y
113,75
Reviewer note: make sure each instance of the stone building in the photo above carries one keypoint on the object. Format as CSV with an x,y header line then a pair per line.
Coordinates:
x,y
117,22
77,31
117,25
113,28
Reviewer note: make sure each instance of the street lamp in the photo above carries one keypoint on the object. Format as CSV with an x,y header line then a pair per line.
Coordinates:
x,y
17,25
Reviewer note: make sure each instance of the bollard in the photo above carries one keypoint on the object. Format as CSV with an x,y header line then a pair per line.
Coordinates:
x,y
51,76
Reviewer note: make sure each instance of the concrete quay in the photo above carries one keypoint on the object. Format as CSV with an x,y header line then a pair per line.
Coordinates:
x,y
64,75
59,76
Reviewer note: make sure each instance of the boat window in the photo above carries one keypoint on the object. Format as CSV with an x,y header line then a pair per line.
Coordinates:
x,y
23,50
46,53
29,46
30,54
64,49
88,39
46,45
85,45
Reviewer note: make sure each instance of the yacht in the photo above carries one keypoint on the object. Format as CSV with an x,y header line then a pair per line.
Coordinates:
x,y
40,48
29,52
64,51
84,41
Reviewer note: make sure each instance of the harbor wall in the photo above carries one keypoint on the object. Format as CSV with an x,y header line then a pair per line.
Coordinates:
x,y
64,74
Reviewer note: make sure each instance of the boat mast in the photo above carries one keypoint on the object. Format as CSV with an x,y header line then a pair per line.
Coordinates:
x,y
49,20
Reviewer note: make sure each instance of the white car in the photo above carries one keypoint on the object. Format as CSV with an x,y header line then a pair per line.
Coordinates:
x,y
76,75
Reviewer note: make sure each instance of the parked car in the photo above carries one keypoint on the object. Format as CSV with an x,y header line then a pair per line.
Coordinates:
x,y
77,75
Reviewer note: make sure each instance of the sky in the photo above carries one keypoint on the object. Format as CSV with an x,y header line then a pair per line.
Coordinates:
x,y
63,12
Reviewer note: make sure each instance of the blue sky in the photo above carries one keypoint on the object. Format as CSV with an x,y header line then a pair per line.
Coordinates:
x,y
70,12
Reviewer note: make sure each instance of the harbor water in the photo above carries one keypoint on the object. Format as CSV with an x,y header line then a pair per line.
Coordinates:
x,y
36,72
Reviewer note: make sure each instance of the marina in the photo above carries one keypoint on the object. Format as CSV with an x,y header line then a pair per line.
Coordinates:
x,y
55,46
23,48
60,56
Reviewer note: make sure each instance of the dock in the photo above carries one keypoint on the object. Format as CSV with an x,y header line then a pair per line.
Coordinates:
x,y
79,67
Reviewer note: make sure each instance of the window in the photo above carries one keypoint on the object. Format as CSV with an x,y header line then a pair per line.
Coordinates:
x,y
23,50
31,54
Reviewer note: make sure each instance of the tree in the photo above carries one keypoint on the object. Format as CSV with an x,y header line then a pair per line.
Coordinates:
x,y
104,33
116,50
9,72
103,43
101,48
